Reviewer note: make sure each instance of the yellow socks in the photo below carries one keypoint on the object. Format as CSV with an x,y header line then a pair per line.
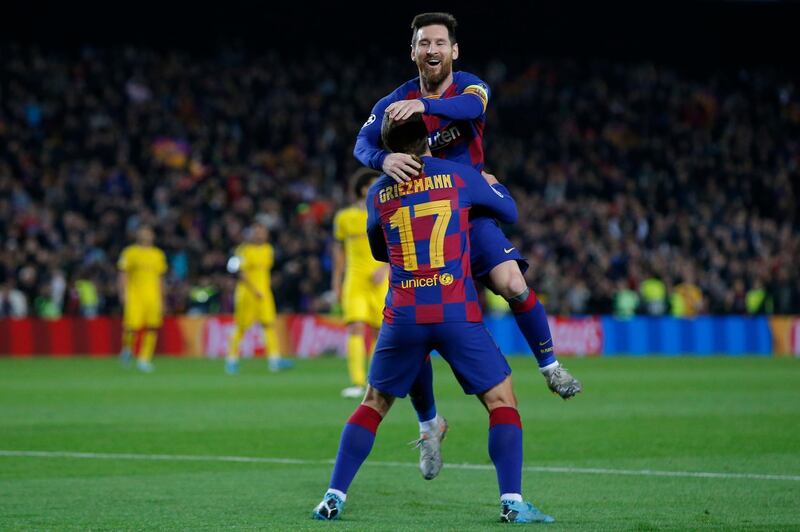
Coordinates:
x,y
148,345
233,347
271,345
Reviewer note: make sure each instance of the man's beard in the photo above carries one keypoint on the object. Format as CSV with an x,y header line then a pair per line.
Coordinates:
x,y
432,81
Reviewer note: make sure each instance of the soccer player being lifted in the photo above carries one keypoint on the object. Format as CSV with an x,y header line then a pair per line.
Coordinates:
x,y
141,289
454,108
421,228
253,299
358,280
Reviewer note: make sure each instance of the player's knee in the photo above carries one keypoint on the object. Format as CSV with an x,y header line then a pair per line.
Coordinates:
x,y
501,395
508,280
378,401
516,284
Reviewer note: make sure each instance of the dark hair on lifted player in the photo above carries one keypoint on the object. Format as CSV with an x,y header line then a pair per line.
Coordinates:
x,y
405,136
428,19
360,182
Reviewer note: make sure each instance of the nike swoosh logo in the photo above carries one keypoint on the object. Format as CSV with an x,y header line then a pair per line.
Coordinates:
x,y
509,250
545,342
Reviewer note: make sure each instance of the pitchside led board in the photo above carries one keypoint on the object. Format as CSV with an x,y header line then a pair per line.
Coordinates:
x,y
311,336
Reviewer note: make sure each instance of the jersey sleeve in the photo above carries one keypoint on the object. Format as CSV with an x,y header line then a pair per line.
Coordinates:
x,y
471,102
369,150
495,200
124,262
339,232
377,242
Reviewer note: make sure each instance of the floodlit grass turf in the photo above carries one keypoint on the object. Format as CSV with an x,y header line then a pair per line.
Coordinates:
x,y
715,415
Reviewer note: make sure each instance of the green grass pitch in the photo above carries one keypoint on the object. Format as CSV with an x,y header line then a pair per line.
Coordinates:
x,y
637,416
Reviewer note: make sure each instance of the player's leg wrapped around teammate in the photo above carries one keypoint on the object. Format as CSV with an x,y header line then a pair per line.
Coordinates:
x,y
500,266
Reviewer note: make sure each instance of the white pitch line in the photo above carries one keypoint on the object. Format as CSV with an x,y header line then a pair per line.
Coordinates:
x,y
481,467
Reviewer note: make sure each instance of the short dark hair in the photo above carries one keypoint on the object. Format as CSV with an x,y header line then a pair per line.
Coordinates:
x,y
405,136
361,179
428,19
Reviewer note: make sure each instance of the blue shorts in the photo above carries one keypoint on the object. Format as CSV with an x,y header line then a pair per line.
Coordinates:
x,y
467,347
490,247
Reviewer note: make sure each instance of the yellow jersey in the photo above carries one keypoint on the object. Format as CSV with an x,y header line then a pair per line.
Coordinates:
x,y
255,264
144,266
350,228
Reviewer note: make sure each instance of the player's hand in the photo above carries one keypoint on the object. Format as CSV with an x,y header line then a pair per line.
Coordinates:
x,y
490,178
401,166
403,109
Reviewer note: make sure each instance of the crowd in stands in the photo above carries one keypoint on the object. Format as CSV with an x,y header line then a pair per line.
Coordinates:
x,y
642,188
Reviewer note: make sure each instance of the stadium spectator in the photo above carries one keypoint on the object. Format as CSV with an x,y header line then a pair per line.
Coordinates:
x,y
618,169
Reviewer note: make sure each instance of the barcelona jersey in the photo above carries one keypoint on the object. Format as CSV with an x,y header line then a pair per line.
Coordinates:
x,y
455,139
421,228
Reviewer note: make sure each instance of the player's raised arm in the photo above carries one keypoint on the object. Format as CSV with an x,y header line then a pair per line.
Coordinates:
x,y
487,193
370,152
468,105
377,241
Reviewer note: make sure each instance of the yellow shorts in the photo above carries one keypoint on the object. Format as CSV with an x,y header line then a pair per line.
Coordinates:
x,y
248,309
363,301
140,313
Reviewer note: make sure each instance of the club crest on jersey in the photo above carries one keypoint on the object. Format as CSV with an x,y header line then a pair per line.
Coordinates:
x,y
370,120
440,139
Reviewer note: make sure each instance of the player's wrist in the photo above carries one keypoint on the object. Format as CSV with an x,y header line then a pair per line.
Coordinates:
x,y
425,105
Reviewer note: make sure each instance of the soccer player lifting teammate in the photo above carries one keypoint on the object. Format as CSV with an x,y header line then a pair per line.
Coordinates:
x,y
253,299
358,280
454,107
141,289
421,229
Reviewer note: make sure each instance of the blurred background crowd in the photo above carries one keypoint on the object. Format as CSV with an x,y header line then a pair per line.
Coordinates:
x,y
642,188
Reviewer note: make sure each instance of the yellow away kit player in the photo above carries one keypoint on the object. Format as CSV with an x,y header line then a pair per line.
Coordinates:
x,y
359,281
253,300
141,289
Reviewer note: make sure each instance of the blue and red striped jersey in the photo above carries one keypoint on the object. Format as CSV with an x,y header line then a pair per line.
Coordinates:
x,y
421,229
455,121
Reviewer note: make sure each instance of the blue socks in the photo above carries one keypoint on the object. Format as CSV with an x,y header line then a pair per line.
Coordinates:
x,y
532,321
505,449
421,393
354,447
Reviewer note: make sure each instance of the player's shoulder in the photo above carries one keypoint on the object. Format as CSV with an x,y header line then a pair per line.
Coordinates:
x,y
464,79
